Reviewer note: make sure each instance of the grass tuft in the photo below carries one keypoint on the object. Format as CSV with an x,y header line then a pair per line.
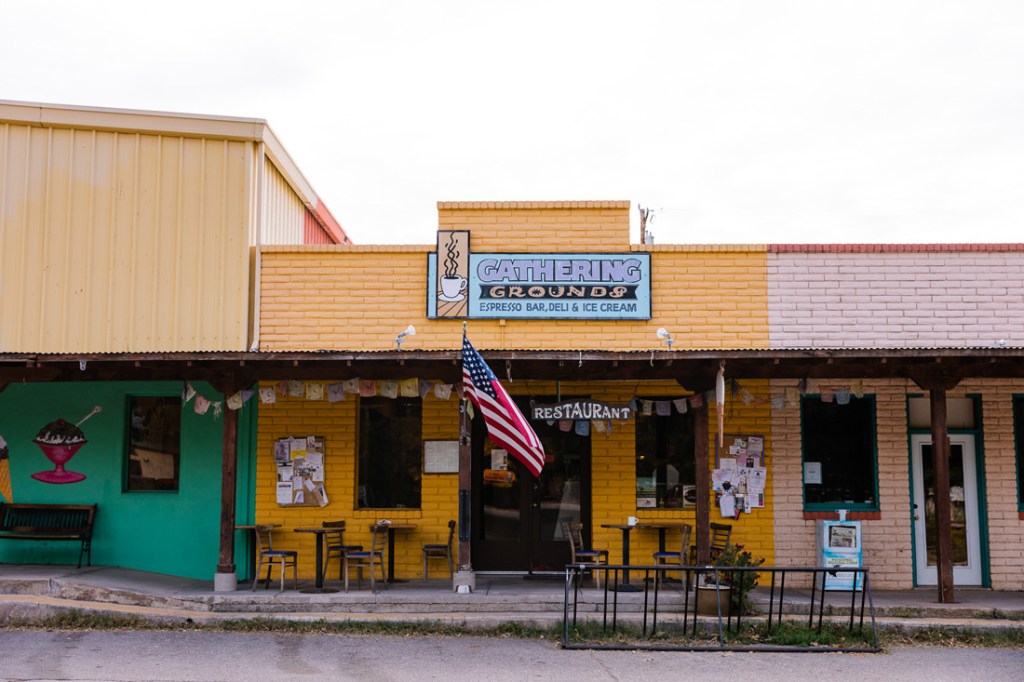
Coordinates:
x,y
787,633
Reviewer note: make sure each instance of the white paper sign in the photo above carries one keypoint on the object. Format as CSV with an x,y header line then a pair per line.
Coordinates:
x,y
727,505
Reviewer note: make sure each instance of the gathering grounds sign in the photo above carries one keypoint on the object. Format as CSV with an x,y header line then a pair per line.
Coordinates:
x,y
592,286
580,409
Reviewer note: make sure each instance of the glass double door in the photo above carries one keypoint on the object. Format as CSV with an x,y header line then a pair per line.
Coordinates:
x,y
518,520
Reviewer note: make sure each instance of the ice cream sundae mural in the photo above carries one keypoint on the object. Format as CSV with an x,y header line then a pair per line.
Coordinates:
x,y
452,280
59,441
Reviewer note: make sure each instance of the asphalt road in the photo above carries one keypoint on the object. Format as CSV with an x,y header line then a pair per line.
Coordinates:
x,y
156,656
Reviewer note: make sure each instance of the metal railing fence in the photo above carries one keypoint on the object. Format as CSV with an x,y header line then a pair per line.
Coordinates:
x,y
681,595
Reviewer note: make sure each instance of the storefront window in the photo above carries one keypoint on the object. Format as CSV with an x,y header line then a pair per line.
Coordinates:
x,y
390,452
154,443
1018,431
664,458
839,462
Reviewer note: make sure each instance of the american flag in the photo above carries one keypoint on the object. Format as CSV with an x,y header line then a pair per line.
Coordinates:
x,y
505,423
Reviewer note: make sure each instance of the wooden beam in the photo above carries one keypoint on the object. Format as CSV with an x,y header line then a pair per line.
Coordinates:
x,y
943,507
936,375
229,476
465,487
703,480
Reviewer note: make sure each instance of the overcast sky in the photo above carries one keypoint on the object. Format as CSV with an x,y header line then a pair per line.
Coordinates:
x,y
746,122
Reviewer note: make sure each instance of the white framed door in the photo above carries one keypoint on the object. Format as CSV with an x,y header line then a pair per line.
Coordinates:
x,y
963,496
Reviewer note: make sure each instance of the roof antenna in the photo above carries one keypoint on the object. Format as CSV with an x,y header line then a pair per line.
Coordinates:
x,y
645,214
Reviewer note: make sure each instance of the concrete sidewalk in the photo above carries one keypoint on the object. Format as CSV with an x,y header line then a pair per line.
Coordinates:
x,y
32,593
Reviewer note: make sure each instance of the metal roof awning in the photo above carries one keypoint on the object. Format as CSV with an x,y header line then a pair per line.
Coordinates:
x,y
691,368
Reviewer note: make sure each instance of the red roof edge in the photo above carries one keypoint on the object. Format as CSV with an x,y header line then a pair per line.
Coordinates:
x,y
891,248
330,225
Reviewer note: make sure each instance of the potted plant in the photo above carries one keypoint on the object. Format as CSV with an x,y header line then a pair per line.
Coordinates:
x,y
735,584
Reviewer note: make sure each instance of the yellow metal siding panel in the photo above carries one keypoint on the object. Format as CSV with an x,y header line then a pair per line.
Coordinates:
x,y
122,242
284,213
14,214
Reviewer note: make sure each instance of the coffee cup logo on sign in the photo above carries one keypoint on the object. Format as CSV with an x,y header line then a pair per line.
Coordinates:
x,y
452,288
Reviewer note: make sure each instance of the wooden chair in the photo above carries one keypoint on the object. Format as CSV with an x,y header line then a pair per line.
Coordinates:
x,y
440,551
720,535
675,558
267,556
334,544
583,555
368,558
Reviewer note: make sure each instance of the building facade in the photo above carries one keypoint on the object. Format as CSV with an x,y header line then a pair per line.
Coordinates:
x,y
128,245
251,365
825,349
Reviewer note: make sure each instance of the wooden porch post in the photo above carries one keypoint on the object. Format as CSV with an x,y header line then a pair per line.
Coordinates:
x,y
703,483
465,485
943,508
225,579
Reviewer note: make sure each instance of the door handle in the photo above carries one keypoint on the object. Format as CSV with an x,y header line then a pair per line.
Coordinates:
x,y
916,517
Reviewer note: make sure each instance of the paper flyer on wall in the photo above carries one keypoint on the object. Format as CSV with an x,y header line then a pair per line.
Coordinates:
x,y
755,445
284,492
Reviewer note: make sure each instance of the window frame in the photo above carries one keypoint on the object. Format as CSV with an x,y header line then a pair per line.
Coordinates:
x,y
684,471
835,506
414,455
1018,446
126,486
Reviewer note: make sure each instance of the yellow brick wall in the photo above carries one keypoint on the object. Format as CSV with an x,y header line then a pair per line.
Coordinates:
x,y
538,226
359,298
337,423
612,464
614,474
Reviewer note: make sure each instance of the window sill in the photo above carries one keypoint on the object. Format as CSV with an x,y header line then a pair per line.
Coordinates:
x,y
850,515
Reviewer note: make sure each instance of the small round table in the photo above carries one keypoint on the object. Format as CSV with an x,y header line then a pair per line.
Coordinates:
x,y
319,532
624,586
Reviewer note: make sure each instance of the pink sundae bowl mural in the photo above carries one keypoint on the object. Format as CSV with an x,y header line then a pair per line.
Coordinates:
x,y
59,441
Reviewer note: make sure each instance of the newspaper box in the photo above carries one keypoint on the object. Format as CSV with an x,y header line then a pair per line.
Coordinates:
x,y
840,543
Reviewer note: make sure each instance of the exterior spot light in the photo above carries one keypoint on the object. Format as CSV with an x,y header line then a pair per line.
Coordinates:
x,y
666,337
409,331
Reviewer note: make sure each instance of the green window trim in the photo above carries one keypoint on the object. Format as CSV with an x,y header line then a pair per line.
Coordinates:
x,y
872,504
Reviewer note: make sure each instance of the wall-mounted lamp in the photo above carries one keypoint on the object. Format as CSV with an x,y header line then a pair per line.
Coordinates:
x,y
409,331
666,337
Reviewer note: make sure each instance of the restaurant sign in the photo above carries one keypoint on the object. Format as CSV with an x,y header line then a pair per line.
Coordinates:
x,y
593,286
581,409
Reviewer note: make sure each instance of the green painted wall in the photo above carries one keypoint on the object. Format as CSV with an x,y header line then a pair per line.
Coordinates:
x,y
175,533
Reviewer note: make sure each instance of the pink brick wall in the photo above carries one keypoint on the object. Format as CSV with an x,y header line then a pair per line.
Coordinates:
x,y
887,540
910,299
1005,526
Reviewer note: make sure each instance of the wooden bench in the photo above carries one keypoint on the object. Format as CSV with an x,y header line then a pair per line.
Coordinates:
x,y
49,522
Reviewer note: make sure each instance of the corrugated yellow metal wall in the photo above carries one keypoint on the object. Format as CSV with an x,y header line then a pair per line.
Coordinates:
x,y
284,214
117,241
